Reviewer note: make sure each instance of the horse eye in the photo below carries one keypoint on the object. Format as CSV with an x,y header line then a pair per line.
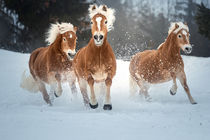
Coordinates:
x,y
64,39
91,22
106,22
179,36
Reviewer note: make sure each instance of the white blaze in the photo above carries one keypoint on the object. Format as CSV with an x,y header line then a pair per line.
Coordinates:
x,y
98,20
70,35
184,32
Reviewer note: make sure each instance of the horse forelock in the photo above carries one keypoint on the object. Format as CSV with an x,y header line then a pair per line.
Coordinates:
x,y
175,30
109,13
56,29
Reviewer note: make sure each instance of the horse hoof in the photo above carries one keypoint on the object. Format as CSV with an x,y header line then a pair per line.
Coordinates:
x,y
56,95
172,93
107,107
93,106
194,103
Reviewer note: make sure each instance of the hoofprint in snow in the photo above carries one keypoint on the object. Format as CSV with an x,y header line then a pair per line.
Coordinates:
x,y
25,115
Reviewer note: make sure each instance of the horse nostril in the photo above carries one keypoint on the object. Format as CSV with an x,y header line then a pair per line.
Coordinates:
x,y
71,55
95,37
101,37
187,48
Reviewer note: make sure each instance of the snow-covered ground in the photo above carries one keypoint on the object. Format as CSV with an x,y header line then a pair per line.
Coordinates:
x,y
25,116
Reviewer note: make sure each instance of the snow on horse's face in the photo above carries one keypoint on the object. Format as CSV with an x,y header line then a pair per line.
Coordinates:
x,y
99,29
182,37
68,43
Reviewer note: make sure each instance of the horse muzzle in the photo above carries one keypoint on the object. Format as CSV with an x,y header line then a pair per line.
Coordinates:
x,y
187,49
98,39
71,54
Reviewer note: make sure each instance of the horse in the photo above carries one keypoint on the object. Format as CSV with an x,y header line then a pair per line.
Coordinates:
x,y
96,62
52,65
162,65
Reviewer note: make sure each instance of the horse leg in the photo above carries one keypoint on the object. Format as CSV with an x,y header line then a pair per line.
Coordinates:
x,y
183,81
132,86
52,91
72,85
144,90
93,103
108,105
173,89
43,90
58,90
83,89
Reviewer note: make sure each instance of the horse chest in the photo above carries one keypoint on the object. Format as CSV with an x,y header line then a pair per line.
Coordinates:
x,y
99,74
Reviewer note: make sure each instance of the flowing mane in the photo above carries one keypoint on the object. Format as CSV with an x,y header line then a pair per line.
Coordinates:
x,y
56,29
181,26
109,14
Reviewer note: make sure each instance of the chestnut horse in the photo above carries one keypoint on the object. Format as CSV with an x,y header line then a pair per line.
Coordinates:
x,y
53,64
96,62
163,64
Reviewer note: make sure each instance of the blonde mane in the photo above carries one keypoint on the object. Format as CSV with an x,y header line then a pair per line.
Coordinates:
x,y
181,26
109,14
56,29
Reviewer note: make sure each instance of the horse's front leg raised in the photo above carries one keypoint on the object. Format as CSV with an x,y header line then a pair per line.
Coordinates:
x,y
173,89
107,104
183,81
93,102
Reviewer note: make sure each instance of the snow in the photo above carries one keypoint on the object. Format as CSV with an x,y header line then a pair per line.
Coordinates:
x,y
25,115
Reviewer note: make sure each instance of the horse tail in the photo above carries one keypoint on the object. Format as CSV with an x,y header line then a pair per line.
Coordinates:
x,y
29,83
132,86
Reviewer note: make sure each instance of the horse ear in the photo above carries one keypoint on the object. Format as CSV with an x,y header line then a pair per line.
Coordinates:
x,y
59,27
104,8
185,23
176,25
93,7
75,28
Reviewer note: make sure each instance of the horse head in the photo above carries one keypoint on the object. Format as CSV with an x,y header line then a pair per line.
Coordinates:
x,y
68,37
180,32
102,19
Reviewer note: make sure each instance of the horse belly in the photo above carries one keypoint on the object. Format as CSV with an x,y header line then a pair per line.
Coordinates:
x,y
99,76
154,77
68,76
160,77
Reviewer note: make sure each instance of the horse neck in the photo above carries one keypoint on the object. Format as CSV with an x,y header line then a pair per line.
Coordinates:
x,y
170,50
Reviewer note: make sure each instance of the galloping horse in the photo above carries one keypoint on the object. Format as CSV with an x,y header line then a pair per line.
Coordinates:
x,y
96,62
53,64
163,64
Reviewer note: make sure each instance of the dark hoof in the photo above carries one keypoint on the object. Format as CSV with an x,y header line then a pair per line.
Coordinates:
x,y
194,103
172,93
93,106
107,107
56,95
